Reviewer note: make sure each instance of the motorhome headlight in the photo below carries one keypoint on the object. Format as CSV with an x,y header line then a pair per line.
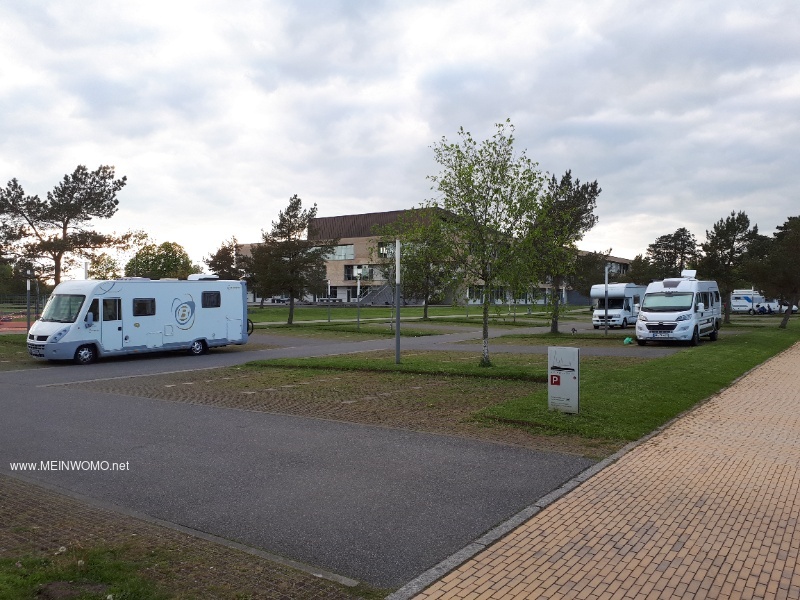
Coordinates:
x,y
684,318
642,317
57,336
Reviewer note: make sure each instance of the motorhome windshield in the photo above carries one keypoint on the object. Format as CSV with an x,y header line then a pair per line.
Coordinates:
x,y
667,301
612,303
63,308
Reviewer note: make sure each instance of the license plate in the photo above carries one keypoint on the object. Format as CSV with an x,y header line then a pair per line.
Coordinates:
x,y
660,334
38,353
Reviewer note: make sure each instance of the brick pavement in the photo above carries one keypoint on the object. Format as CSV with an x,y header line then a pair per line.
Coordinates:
x,y
708,508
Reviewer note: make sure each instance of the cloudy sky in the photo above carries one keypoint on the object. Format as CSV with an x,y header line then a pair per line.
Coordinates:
x,y
218,112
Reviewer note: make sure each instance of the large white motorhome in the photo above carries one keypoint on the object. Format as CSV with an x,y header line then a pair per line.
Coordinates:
x,y
623,304
682,308
87,319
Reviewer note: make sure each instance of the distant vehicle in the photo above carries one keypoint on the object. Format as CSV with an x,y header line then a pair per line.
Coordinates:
x,y
682,308
87,319
623,304
753,302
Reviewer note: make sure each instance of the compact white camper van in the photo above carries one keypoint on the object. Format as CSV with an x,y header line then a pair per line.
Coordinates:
x,y
754,302
680,309
84,320
623,304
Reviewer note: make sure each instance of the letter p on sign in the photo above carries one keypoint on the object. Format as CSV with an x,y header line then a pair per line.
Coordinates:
x,y
555,379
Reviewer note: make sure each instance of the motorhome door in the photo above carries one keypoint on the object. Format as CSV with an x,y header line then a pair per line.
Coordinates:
x,y
111,334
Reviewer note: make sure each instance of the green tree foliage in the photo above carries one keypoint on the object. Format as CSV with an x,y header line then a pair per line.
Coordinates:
x,y
493,195
287,262
59,228
104,266
426,275
590,269
724,254
775,268
567,213
226,262
672,253
157,262
640,271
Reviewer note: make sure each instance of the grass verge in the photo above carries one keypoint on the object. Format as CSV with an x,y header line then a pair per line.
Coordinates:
x,y
97,573
621,399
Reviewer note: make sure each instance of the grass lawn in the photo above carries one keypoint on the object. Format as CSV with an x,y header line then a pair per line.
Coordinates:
x,y
14,353
304,312
621,399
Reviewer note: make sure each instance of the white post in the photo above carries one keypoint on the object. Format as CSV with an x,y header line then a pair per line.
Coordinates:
x,y
606,299
397,301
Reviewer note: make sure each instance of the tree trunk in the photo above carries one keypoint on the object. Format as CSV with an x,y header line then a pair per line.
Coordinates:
x,y
556,306
425,310
485,362
788,313
291,309
57,269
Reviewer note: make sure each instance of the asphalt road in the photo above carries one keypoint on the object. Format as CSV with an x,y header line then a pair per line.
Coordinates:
x,y
374,504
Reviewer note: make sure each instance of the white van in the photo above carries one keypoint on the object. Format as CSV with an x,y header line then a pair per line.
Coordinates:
x,y
754,302
87,319
623,304
684,309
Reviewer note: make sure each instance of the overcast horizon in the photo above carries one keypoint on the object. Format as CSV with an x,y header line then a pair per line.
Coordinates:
x,y
219,113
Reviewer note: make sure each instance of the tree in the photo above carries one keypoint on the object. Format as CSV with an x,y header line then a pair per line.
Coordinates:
x,y
640,271
287,262
425,272
590,269
566,215
226,262
157,262
493,195
104,266
672,253
725,252
59,227
777,271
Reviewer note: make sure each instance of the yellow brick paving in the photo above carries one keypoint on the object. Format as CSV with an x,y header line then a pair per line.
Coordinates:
x,y
708,508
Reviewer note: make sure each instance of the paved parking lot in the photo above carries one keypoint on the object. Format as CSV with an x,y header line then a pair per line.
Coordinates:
x,y
376,504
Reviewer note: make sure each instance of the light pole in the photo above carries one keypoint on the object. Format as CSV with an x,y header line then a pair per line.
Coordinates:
x,y
28,287
329,300
606,300
397,301
358,302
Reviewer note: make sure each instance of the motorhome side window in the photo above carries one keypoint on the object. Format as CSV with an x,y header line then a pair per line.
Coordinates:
x,y
144,307
94,308
211,300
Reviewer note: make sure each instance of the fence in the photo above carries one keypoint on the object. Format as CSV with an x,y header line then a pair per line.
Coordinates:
x,y
14,307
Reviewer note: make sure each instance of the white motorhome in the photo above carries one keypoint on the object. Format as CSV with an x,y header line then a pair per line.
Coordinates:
x,y
682,308
87,319
754,302
623,304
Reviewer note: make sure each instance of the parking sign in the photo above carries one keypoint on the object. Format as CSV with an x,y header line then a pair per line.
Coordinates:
x,y
563,388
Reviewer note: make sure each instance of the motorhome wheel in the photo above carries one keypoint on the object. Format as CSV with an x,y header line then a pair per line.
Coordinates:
x,y
85,355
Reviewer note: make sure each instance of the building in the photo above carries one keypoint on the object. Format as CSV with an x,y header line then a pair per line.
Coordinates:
x,y
352,272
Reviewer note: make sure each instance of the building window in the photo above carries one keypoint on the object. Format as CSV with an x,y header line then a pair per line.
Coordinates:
x,y
342,252
211,300
144,307
385,249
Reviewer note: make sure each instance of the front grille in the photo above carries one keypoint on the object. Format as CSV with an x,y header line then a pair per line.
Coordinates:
x,y
35,349
41,338
661,326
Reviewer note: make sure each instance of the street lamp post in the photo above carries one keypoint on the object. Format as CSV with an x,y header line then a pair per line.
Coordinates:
x,y
397,301
358,302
